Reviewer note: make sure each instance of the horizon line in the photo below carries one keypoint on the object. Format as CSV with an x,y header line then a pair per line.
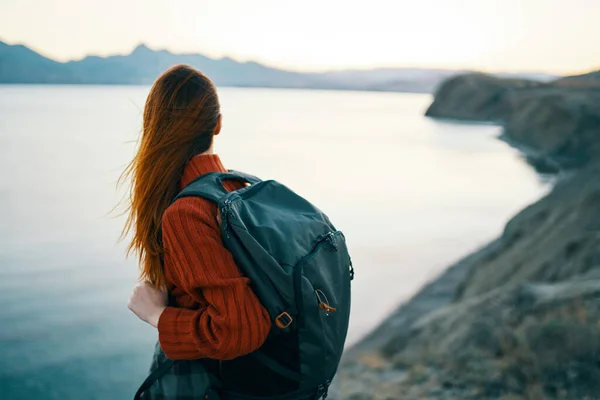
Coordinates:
x,y
349,68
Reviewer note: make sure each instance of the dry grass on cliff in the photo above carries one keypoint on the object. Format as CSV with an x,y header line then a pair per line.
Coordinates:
x,y
551,356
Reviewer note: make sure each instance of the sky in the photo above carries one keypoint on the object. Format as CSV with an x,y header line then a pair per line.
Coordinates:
x,y
557,36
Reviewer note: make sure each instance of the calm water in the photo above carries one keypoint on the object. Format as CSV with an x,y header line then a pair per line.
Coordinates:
x,y
411,194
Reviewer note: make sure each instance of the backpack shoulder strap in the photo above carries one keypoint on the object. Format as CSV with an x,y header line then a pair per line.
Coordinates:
x,y
251,179
153,377
210,186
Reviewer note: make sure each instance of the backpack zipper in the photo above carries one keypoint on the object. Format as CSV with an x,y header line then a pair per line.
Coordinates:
x,y
225,210
321,241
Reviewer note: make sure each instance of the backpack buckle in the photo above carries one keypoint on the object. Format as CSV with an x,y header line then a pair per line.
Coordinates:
x,y
283,320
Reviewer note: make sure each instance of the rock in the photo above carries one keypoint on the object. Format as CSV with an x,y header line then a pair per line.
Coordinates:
x,y
551,241
476,97
562,124
549,121
495,345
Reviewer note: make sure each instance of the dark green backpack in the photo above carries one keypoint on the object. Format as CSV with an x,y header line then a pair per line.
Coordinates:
x,y
299,268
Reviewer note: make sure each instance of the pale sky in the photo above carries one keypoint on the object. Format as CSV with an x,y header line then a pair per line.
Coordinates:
x,y
560,36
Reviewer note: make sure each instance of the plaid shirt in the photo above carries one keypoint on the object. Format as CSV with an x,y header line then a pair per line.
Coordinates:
x,y
190,380
185,380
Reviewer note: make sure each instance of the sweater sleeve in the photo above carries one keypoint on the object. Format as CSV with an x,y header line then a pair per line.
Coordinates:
x,y
233,323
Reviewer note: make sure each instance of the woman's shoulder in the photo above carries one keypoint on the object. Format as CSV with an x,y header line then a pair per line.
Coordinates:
x,y
189,211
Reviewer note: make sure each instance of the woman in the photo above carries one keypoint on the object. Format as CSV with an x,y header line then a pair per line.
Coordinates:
x,y
212,313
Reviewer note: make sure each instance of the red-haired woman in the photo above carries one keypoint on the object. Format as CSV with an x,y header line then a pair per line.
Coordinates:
x,y
211,313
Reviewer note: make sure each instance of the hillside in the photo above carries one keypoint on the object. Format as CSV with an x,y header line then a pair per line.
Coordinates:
x,y
143,65
19,64
517,319
22,65
556,124
587,80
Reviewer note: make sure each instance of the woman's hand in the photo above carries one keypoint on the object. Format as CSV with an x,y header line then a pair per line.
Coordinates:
x,y
148,303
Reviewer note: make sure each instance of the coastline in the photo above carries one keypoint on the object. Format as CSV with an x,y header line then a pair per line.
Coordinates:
x,y
467,334
440,290
397,360
278,87
548,167
363,362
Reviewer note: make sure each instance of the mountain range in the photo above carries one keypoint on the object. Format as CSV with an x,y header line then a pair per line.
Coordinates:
x,y
21,65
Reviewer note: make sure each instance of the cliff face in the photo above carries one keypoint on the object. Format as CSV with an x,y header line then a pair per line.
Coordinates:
x,y
553,121
477,97
519,318
553,240
558,123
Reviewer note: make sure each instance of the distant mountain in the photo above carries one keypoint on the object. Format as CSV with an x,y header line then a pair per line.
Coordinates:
x,y
18,64
144,65
532,76
390,79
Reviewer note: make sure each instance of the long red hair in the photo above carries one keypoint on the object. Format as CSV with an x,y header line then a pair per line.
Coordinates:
x,y
181,115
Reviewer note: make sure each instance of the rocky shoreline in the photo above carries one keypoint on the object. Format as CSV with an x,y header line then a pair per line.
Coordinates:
x,y
517,319
555,120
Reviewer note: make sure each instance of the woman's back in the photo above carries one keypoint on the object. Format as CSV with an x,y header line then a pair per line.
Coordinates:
x,y
295,264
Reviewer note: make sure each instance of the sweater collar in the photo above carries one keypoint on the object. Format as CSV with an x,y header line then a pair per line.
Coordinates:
x,y
200,165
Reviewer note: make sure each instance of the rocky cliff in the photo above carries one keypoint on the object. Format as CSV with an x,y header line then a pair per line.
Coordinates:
x,y
555,122
519,318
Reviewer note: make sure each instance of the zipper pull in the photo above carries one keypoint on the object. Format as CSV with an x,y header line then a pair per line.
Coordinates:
x,y
331,239
324,302
226,205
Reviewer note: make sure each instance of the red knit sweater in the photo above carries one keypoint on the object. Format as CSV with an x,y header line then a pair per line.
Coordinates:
x,y
214,312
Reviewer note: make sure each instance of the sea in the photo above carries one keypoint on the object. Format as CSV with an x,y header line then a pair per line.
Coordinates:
x,y
412,195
